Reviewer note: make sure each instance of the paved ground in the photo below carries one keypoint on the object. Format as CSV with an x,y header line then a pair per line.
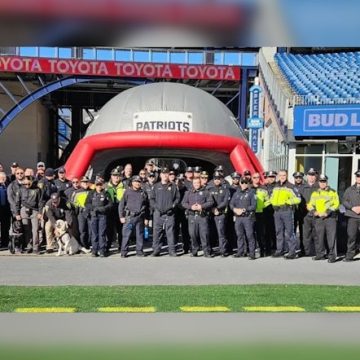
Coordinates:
x,y
184,270
170,329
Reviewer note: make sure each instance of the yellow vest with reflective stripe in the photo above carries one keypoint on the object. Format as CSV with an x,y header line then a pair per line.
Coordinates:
x,y
79,198
262,199
324,201
284,195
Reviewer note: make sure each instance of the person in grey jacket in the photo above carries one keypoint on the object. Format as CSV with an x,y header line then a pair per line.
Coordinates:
x,y
351,202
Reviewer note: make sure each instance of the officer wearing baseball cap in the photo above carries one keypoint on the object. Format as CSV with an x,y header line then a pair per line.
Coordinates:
x,y
78,200
235,179
300,211
98,204
61,183
325,213
115,189
47,184
351,202
57,208
164,199
134,215
269,221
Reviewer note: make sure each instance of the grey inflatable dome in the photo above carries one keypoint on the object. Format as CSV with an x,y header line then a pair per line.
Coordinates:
x,y
206,113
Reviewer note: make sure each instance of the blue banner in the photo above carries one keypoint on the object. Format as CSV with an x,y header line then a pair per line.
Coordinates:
x,y
254,140
327,120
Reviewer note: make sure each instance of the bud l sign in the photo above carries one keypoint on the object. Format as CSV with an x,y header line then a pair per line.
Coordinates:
x,y
327,120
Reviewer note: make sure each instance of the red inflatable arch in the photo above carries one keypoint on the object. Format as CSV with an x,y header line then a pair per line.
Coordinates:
x,y
240,154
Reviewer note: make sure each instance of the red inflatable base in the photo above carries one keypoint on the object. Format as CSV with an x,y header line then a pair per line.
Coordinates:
x,y
241,156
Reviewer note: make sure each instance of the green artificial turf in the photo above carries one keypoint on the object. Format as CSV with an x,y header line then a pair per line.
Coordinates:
x,y
298,351
170,298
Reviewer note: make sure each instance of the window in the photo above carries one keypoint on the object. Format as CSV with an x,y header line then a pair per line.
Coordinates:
x,y
88,53
48,52
159,56
177,57
141,56
196,58
65,53
104,54
123,55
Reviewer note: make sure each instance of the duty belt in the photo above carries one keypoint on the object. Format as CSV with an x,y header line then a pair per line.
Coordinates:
x,y
246,214
282,207
197,213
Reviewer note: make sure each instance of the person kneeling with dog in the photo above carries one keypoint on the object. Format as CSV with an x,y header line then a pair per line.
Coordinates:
x,y
57,208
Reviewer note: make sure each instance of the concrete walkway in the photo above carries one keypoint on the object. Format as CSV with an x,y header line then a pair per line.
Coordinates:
x,y
184,270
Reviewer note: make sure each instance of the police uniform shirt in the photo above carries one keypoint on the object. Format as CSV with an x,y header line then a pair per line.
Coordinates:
x,y
164,197
221,196
47,187
201,197
134,201
244,199
62,186
98,201
63,211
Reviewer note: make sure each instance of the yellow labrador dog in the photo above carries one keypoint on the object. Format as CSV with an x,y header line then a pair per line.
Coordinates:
x,y
67,244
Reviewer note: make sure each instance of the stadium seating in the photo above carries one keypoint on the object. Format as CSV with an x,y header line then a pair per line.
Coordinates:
x,y
323,78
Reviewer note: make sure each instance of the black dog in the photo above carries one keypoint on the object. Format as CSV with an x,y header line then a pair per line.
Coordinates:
x,y
16,237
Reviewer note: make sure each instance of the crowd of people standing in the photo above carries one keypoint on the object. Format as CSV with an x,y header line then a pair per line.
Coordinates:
x,y
237,215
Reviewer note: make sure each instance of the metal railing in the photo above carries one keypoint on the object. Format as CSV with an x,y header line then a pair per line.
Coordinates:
x,y
282,101
155,55
318,100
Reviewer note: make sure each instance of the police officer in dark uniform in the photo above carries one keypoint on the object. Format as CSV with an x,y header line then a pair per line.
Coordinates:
x,y
235,179
269,222
98,204
181,223
164,199
351,202
309,231
197,171
28,209
70,191
300,210
134,214
57,208
47,184
198,203
247,175
221,196
61,183
243,205
189,175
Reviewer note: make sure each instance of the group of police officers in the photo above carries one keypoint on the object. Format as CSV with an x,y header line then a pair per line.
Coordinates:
x,y
243,211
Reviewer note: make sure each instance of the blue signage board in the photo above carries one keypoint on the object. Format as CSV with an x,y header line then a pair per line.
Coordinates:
x,y
254,140
255,123
255,92
327,120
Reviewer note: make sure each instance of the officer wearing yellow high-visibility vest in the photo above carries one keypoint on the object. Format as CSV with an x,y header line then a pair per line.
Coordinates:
x,y
115,189
262,201
78,199
324,204
284,198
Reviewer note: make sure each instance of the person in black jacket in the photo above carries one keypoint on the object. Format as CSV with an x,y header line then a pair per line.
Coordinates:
x,y
47,184
28,209
164,199
221,196
61,183
98,204
5,214
134,214
351,202
243,204
198,203
57,208
309,231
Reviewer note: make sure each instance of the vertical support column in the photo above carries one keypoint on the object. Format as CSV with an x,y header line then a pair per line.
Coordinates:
x,y
243,96
52,156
